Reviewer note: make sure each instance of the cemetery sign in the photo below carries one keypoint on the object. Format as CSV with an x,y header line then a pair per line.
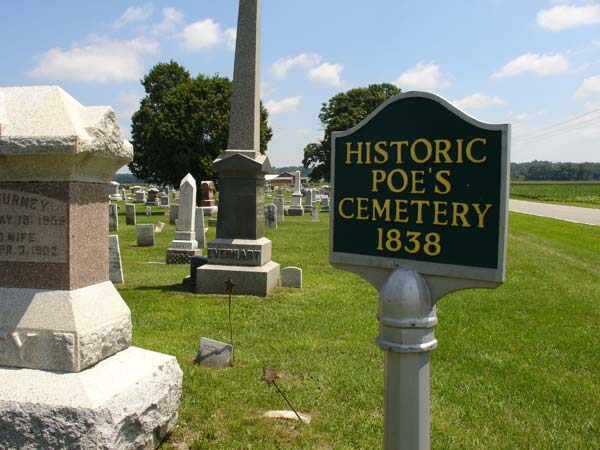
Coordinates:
x,y
421,185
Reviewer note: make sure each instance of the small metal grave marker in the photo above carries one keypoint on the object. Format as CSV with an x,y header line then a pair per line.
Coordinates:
x,y
269,376
419,209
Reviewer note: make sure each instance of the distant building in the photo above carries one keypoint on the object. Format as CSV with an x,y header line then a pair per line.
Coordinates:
x,y
282,178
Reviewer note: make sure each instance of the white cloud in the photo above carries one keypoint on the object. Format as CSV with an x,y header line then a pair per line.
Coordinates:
x,y
281,106
134,14
205,34
327,73
230,37
561,17
422,76
104,60
478,100
543,65
283,65
589,87
171,18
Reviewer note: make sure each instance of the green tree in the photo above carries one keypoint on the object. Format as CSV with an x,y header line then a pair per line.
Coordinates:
x,y
182,125
342,112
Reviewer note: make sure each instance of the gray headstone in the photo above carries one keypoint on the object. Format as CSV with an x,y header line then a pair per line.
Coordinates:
x,y
113,218
148,210
199,223
214,354
186,219
159,227
164,201
271,216
315,213
145,235
325,204
291,277
309,200
130,217
139,196
115,267
173,213
279,202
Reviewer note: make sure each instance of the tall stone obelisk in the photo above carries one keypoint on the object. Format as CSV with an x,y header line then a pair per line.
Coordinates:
x,y
240,250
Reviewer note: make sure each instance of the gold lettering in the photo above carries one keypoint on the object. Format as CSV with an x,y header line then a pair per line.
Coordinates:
x,y
428,148
379,210
469,151
420,204
439,176
400,210
362,208
439,150
480,214
380,149
390,181
341,208
378,177
357,152
456,214
439,209
417,180
399,145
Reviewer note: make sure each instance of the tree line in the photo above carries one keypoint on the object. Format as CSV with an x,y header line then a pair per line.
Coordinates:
x,y
554,171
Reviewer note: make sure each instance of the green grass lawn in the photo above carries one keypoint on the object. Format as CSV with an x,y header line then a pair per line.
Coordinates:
x,y
571,193
516,368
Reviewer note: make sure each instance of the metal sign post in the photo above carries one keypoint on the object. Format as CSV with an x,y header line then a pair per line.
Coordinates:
x,y
420,207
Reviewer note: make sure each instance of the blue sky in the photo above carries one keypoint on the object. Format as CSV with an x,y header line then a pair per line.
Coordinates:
x,y
534,64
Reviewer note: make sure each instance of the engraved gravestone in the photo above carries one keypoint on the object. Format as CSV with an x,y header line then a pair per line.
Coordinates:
x,y
279,202
115,267
145,235
308,204
271,216
296,209
173,213
240,250
200,230
185,245
113,218
130,218
62,322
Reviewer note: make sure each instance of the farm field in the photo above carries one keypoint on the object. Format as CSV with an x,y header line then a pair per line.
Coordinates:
x,y
516,367
585,194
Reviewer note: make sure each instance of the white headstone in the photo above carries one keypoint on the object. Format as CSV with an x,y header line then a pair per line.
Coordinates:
x,y
130,217
200,230
145,235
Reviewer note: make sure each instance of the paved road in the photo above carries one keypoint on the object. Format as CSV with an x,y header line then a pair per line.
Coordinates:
x,y
589,216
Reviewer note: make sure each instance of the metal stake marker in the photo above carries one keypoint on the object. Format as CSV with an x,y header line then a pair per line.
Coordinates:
x,y
406,333
229,285
269,376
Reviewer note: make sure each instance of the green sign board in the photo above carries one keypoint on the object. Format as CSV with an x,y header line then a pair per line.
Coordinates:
x,y
422,185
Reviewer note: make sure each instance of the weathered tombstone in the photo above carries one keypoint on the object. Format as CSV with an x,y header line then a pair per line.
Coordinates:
x,y
124,194
200,230
185,245
115,267
291,277
315,213
145,235
113,218
164,201
214,354
153,194
207,192
280,203
308,203
130,217
271,216
139,196
296,208
114,194
67,370
240,251
425,186
148,211
173,214
159,227
325,204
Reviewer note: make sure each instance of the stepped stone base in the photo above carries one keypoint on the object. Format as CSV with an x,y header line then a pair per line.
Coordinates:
x,y
248,280
181,256
292,211
127,401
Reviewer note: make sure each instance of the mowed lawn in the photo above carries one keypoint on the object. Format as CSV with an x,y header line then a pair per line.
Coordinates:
x,y
516,368
574,193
